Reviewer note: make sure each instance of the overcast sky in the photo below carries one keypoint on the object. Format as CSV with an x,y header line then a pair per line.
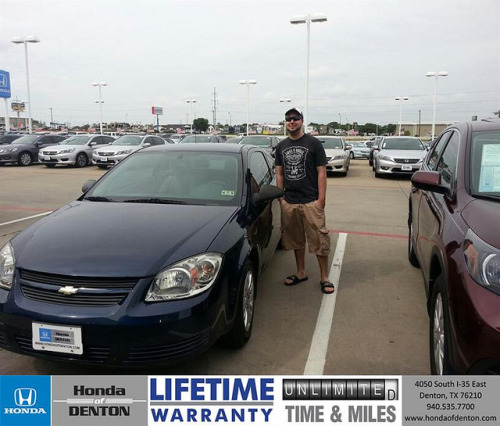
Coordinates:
x,y
162,53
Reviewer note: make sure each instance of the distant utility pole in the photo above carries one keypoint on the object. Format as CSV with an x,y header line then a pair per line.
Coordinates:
x,y
214,108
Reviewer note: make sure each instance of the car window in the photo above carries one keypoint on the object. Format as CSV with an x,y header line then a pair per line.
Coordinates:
x,y
438,148
485,163
447,164
331,143
403,144
187,177
106,139
260,172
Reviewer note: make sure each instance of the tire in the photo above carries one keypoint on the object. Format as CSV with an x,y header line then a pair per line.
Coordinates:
x,y
25,159
439,334
412,256
351,155
81,160
243,322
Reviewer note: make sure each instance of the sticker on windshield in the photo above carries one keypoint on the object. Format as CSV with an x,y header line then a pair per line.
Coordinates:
x,y
227,193
490,169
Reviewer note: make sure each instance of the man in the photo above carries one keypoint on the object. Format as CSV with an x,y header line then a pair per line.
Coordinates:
x,y
301,171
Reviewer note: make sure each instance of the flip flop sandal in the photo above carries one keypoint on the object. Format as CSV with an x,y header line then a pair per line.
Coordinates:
x,y
294,280
326,285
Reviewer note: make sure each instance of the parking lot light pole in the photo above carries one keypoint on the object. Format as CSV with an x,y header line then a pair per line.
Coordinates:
x,y
400,99
284,123
435,75
100,102
25,41
191,101
248,83
307,19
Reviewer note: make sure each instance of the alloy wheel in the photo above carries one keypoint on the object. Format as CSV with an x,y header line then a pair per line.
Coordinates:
x,y
248,300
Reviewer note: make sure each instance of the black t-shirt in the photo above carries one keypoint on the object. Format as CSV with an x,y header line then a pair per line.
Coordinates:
x,y
299,159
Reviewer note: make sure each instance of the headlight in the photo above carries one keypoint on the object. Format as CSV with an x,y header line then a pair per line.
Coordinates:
x,y
483,262
340,157
7,266
127,151
186,278
67,151
11,150
384,157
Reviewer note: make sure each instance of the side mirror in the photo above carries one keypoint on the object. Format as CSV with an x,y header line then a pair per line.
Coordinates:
x,y
429,181
87,185
267,193
146,144
93,143
348,147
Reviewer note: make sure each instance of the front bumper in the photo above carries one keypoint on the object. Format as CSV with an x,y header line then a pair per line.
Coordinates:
x,y
338,166
57,159
388,167
130,333
108,160
8,158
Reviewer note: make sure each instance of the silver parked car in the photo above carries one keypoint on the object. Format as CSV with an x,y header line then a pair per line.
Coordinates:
x,y
359,150
337,154
123,147
398,155
76,150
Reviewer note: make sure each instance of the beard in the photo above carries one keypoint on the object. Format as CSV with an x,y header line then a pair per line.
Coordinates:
x,y
295,132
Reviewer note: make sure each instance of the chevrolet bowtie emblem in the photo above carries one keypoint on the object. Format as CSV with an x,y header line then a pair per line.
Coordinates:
x,y
68,290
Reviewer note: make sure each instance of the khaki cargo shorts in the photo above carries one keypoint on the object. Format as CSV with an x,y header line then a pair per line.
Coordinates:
x,y
304,221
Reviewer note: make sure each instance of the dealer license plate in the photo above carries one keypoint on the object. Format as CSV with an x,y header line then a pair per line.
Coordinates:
x,y
406,167
57,338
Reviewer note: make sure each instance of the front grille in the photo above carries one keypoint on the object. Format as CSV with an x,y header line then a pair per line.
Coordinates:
x,y
105,154
91,291
49,152
406,160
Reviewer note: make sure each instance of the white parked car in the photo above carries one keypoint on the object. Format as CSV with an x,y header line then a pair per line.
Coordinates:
x,y
76,150
123,147
402,155
337,154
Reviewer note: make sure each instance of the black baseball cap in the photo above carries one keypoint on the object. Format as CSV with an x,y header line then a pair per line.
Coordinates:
x,y
295,110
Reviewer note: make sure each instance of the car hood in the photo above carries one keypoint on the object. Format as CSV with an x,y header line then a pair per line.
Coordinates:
x,y
403,153
10,147
117,239
60,147
113,148
331,152
482,218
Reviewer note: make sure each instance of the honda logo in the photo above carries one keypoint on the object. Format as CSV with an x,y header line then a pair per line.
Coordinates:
x,y
25,397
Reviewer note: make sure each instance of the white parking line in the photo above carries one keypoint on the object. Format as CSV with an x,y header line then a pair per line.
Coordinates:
x,y
315,364
25,218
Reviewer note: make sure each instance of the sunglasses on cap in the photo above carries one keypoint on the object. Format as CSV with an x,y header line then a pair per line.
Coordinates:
x,y
294,118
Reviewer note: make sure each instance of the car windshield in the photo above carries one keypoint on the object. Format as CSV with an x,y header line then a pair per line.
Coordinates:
x,y
256,140
26,139
197,139
403,144
331,143
485,163
128,140
76,140
172,177
358,145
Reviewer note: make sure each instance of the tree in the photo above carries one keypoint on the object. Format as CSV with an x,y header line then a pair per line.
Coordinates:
x,y
200,125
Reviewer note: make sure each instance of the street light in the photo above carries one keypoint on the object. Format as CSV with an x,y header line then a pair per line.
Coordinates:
x,y
191,101
25,41
401,99
100,101
248,83
436,75
307,19
284,124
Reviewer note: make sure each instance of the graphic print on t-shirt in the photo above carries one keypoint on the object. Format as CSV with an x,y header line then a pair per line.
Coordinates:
x,y
295,162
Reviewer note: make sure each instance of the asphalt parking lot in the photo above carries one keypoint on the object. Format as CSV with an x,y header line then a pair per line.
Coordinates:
x,y
376,322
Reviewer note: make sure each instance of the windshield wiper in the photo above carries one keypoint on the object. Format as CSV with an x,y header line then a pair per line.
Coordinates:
x,y
488,196
99,199
154,201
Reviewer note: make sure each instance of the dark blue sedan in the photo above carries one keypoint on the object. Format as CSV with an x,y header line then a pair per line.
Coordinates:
x,y
156,261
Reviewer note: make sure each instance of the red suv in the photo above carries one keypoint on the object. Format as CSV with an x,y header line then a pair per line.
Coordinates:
x,y
454,237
